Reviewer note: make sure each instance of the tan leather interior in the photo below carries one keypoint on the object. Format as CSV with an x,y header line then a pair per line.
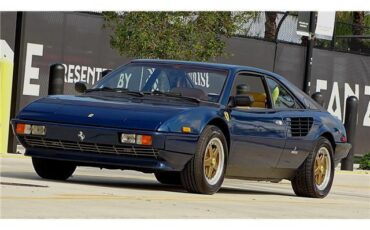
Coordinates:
x,y
259,100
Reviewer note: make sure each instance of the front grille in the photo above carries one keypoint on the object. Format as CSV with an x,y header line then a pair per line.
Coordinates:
x,y
299,126
39,142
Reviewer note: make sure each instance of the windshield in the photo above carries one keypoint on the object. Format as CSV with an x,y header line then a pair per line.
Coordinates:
x,y
200,83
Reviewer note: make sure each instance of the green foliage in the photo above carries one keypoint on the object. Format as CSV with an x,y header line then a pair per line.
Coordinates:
x,y
173,35
365,162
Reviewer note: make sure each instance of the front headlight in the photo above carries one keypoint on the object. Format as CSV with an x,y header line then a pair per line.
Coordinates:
x,y
38,130
128,138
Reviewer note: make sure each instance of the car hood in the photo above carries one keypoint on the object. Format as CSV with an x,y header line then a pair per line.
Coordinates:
x,y
118,113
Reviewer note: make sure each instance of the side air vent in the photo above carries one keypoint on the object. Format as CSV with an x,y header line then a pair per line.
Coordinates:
x,y
299,126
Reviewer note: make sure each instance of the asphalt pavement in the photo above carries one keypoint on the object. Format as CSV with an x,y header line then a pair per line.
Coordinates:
x,y
95,193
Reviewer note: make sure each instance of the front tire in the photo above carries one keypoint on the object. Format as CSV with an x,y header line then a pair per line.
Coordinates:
x,y
53,169
205,172
315,176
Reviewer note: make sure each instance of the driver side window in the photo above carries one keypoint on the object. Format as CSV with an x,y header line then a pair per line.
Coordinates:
x,y
251,85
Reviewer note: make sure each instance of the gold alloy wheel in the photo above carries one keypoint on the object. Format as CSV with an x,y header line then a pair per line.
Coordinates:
x,y
322,168
213,161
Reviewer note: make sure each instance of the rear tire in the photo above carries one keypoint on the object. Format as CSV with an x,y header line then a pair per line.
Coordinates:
x,y
171,178
315,176
205,172
53,169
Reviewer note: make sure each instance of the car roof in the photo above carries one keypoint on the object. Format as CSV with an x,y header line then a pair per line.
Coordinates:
x,y
234,68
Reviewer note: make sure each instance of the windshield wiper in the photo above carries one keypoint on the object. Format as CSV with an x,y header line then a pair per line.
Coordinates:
x,y
118,90
99,89
172,94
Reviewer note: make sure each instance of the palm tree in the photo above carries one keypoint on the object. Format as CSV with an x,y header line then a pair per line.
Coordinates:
x,y
270,25
358,28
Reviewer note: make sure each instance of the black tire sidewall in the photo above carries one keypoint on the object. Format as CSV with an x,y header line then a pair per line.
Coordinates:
x,y
53,169
208,134
170,178
323,142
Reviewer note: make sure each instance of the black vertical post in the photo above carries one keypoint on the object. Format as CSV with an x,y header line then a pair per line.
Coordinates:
x,y
17,72
332,43
309,51
350,122
319,98
56,79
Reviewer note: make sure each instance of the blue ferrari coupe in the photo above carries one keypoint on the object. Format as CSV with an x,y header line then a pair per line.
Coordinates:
x,y
191,124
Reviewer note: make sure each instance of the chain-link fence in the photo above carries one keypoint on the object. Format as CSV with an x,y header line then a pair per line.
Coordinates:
x,y
347,37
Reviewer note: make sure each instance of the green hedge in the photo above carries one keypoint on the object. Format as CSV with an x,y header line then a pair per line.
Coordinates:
x,y
365,162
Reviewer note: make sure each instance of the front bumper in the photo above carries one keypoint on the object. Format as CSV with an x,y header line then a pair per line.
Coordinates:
x,y
341,151
101,147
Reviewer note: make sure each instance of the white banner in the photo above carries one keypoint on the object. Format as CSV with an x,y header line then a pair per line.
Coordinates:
x,y
325,25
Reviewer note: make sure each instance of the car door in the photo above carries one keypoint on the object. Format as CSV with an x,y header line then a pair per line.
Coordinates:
x,y
298,121
258,132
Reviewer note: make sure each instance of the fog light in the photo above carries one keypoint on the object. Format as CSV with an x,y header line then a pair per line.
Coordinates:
x,y
144,140
128,138
38,130
22,128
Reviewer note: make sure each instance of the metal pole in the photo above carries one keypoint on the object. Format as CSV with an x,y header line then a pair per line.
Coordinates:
x,y
17,73
350,125
276,37
56,79
309,51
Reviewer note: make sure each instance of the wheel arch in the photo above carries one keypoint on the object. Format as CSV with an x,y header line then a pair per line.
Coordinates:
x,y
330,137
221,124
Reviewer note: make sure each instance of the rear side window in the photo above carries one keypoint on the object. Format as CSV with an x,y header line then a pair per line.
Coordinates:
x,y
280,97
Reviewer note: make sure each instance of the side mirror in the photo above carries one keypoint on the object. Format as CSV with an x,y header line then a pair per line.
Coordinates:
x,y
105,72
80,87
239,100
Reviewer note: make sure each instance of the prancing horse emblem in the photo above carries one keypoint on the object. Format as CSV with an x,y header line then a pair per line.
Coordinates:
x,y
81,135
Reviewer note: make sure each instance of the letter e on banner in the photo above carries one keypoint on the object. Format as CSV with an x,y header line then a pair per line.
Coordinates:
x,y
31,72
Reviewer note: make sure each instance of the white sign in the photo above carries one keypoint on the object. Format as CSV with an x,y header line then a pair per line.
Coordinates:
x,y
337,100
32,72
5,51
325,25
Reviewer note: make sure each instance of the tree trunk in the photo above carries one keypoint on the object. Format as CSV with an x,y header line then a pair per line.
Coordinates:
x,y
270,25
358,26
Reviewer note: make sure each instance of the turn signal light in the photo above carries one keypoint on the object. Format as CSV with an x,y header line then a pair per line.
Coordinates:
x,y
186,129
22,128
343,139
144,140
